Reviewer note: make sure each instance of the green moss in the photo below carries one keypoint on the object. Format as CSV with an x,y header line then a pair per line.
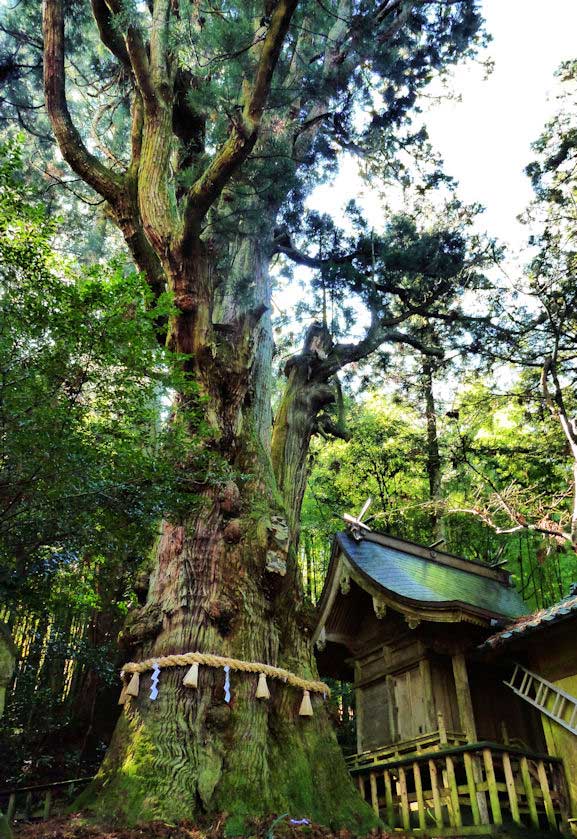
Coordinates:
x,y
235,826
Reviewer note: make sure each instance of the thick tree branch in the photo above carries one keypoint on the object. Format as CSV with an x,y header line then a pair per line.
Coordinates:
x,y
86,165
109,36
244,132
283,245
377,334
138,56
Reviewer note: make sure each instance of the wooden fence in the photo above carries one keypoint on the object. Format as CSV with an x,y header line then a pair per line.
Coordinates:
x,y
470,789
25,803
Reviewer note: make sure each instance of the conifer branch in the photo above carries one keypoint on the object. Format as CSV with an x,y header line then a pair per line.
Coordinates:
x,y
244,130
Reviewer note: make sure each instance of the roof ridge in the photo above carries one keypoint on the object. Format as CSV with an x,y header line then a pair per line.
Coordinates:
x,y
430,554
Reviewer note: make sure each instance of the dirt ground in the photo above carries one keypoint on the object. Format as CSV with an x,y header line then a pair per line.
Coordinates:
x,y
73,827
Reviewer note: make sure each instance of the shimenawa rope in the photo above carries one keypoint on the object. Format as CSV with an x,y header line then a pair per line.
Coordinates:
x,y
208,660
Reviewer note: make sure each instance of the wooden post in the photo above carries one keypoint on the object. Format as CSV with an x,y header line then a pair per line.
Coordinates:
x,y
359,709
453,792
442,729
436,797
472,788
481,796
511,788
11,807
374,796
405,812
492,785
542,774
47,804
464,700
419,794
429,700
391,820
361,783
529,795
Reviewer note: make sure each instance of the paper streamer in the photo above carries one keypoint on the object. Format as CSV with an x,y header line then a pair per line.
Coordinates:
x,y
226,683
154,685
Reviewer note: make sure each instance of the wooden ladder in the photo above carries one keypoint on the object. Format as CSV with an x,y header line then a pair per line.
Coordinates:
x,y
549,699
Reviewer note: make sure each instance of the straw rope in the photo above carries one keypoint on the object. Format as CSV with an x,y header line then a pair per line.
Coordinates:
x,y
209,660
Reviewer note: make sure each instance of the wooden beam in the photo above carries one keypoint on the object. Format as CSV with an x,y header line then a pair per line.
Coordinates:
x,y
481,795
405,812
455,807
437,808
529,794
428,696
47,804
442,729
464,700
391,818
374,796
492,786
419,794
469,771
511,788
544,782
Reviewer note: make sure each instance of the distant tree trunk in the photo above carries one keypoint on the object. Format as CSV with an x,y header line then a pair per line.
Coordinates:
x,y
433,456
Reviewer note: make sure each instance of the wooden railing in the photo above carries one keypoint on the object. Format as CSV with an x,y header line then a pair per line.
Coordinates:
x,y
432,741
37,801
469,789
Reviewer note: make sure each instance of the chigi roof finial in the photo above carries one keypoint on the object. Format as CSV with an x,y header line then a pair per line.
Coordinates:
x,y
356,525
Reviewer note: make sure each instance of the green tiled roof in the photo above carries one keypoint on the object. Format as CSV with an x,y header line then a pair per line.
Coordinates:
x,y
424,580
538,621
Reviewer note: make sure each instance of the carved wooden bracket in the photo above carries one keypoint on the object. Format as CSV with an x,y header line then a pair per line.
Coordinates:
x,y
380,607
345,583
412,623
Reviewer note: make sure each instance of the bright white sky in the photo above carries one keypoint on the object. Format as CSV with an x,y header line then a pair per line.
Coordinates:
x,y
485,138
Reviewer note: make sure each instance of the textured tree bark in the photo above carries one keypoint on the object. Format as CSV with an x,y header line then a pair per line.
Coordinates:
x,y
226,581
307,392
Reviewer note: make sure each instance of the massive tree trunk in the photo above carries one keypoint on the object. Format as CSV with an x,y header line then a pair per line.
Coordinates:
x,y
225,581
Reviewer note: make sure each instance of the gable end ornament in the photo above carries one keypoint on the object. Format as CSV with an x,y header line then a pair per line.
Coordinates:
x,y
412,622
380,607
345,583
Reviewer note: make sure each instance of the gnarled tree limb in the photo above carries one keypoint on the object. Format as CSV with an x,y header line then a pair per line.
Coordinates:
x,y
86,165
244,132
